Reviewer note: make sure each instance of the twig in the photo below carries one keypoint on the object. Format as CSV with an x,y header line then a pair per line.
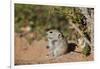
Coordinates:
x,y
80,32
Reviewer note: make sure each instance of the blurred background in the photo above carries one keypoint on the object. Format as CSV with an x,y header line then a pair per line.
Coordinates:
x,y
38,18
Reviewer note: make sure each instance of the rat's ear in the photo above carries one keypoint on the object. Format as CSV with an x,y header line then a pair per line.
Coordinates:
x,y
60,36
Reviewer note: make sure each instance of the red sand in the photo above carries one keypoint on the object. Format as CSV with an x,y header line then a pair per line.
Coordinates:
x,y
36,53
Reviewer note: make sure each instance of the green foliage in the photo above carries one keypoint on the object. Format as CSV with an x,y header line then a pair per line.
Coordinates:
x,y
40,17
86,50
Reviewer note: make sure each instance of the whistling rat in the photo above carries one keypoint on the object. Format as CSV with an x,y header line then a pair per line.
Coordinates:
x,y
56,43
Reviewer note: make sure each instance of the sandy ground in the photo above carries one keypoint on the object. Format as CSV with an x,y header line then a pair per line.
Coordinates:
x,y
37,52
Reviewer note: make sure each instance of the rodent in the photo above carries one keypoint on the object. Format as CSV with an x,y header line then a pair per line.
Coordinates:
x,y
56,42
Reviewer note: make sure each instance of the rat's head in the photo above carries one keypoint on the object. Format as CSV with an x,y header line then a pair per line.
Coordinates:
x,y
54,35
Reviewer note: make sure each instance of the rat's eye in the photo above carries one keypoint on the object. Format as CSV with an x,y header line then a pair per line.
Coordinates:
x,y
51,32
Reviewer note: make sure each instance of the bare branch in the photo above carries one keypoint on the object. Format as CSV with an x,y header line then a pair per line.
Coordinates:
x,y
80,32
